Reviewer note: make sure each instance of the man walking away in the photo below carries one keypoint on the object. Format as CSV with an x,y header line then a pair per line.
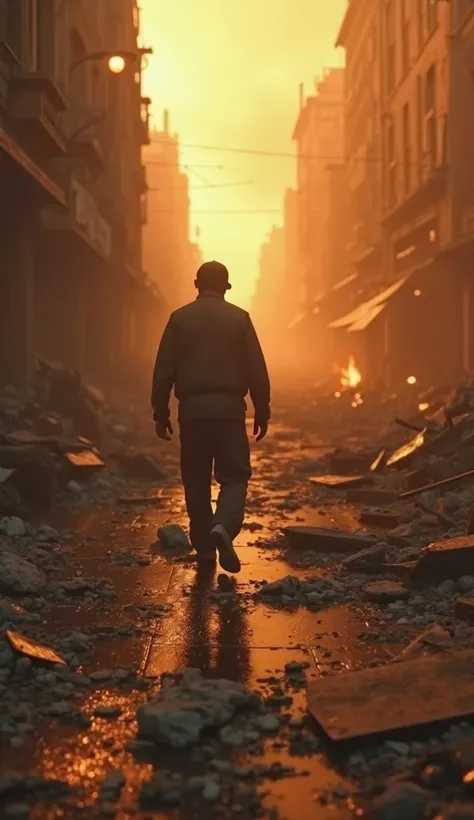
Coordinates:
x,y
211,355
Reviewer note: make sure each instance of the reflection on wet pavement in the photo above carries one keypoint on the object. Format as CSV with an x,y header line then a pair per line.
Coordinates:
x,y
168,618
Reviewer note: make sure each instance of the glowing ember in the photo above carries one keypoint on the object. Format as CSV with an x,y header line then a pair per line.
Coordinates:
x,y
411,380
423,406
350,375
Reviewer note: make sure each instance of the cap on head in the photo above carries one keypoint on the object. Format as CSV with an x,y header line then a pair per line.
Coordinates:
x,y
213,276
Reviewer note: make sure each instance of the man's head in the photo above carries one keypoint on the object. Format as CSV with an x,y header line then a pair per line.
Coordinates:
x,y
213,276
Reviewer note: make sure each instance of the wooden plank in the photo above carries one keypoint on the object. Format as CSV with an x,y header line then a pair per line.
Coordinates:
x,y
393,697
451,558
326,540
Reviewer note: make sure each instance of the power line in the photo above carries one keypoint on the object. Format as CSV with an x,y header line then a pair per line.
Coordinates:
x,y
285,154
208,185
219,211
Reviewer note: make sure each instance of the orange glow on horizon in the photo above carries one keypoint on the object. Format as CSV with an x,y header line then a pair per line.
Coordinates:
x,y
229,75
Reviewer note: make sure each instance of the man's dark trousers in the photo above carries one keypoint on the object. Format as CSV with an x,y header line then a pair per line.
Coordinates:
x,y
221,444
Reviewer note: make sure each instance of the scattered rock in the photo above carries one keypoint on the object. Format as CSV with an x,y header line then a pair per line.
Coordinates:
x,y
18,575
173,537
401,801
12,526
386,591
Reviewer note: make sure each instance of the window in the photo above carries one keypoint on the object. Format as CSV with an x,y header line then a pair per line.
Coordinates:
x,y
406,138
14,26
392,167
430,125
431,15
405,36
421,22
390,38
31,36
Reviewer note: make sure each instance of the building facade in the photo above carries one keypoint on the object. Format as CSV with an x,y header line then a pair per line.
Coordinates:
x,y
360,37
169,254
73,189
401,172
318,135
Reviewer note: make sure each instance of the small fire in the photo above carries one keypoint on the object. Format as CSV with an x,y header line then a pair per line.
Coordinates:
x,y
423,406
350,375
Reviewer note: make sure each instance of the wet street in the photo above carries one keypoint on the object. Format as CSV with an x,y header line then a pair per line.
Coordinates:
x,y
156,614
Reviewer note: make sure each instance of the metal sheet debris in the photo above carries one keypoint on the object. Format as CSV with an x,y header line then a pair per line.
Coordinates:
x,y
379,463
85,460
326,540
33,649
397,696
407,450
340,482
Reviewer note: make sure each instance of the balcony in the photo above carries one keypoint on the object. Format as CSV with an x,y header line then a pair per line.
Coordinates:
x,y
145,103
140,180
35,106
84,129
8,67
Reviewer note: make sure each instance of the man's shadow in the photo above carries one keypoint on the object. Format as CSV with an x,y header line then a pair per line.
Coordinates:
x,y
217,632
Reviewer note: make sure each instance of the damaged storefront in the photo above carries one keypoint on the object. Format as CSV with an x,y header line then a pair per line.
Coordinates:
x,y
397,336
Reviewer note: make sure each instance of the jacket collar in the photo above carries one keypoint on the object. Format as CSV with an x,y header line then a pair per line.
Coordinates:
x,y
209,294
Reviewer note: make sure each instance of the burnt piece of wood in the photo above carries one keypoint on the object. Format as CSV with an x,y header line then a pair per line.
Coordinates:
x,y
397,696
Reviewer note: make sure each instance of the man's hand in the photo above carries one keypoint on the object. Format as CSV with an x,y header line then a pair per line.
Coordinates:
x,y
164,430
260,429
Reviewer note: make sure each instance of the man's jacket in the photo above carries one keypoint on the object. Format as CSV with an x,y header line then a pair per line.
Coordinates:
x,y
211,355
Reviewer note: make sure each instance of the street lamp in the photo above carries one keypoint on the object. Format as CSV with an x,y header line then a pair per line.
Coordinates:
x,y
117,60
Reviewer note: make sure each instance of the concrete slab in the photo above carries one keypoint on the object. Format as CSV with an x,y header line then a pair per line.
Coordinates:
x,y
379,518
397,696
369,496
326,540
450,558
464,608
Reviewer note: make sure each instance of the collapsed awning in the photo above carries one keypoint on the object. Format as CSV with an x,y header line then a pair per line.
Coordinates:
x,y
361,317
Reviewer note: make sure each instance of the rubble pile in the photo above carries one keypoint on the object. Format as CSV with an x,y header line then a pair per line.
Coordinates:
x,y
50,439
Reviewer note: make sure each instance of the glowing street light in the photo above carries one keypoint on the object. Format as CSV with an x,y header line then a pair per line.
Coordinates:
x,y
411,380
116,64
117,60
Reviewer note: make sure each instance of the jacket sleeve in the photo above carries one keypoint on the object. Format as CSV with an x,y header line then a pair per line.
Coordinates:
x,y
164,374
257,373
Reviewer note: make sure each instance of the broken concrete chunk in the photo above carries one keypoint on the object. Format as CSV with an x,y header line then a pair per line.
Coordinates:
x,y
18,575
179,723
402,800
386,591
379,518
436,639
450,558
12,526
173,537
187,705
366,560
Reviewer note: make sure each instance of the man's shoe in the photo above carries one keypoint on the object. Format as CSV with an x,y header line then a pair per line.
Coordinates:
x,y
207,558
228,558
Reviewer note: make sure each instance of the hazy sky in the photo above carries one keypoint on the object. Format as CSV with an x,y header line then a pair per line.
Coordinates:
x,y
229,73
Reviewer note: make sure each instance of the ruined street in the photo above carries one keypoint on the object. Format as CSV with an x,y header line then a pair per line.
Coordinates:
x,y
114,590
